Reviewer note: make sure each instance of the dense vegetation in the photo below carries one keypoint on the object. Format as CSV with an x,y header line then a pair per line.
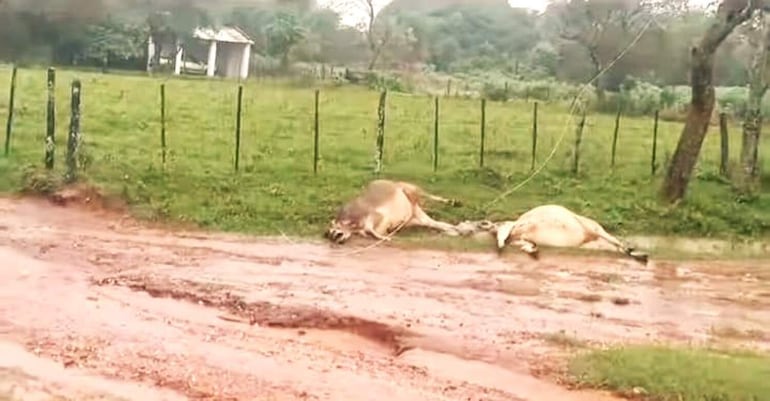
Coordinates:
x,y
569,42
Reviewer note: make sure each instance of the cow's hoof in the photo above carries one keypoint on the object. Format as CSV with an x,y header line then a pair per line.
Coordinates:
x,y
455,203
534,255
642,258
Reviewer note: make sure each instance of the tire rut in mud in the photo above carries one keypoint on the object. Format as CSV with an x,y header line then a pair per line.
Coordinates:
x,y
263,313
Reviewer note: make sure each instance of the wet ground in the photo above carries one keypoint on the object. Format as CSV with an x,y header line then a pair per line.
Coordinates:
x,y
95,306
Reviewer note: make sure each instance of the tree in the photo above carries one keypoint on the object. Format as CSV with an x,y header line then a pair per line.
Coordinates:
x,y
378,31
596,26
47,30
173,24
253,21
702,99
320,29
759,38
112,39
463,37
282,35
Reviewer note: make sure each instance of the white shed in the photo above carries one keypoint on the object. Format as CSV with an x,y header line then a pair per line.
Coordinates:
x,y
224,52
229,51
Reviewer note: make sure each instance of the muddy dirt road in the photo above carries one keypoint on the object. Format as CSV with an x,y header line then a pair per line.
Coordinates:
x,y
93,306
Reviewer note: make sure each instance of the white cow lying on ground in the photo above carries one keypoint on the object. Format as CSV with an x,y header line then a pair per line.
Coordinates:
x,y
557,226
385,206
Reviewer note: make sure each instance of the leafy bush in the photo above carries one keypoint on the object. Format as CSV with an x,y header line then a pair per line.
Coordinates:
x,y
389,82
496,93
640,97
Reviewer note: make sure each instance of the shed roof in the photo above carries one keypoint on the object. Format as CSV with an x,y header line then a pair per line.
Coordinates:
x,y
224,34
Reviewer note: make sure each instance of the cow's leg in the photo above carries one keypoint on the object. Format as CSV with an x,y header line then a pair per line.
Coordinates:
x,y
607,237
599,233
420,218
623,248
529,247
413,192
377,227
595,232
438,198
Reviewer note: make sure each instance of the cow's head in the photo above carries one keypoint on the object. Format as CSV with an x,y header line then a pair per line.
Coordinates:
x,y
340,231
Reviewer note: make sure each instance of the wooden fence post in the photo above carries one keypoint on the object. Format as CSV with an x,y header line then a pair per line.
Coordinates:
x,y
435,135
578,140
163,123
50,121
73,139
653,163
534,135
615,133
238,127
725,145
315,134
380,132
483,131
9,122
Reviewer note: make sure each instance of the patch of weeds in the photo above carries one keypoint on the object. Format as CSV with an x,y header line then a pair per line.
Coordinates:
x,y
674,374
583,297
562,339
39,181
730,332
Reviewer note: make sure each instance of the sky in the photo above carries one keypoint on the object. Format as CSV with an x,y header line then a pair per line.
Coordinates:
x,y
352,17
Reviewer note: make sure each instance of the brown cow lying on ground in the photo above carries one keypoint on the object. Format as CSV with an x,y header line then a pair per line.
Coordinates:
x,y
385,206
557,226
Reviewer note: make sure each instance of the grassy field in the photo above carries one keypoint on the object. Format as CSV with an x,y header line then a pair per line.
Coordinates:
x,y
276,191
664,374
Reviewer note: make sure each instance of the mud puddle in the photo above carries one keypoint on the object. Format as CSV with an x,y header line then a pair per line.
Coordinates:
x,y
265,314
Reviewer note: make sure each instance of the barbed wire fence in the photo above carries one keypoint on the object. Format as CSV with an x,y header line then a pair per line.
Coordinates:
x,y
199,127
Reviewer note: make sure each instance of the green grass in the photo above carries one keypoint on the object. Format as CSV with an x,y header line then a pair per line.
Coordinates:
x,y
276,191
666,374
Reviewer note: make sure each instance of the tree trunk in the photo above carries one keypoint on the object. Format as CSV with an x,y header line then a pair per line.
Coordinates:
x,y
698,117
285,61
701,104
600,94
156,55
752,123
375,57
600,98
752,129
